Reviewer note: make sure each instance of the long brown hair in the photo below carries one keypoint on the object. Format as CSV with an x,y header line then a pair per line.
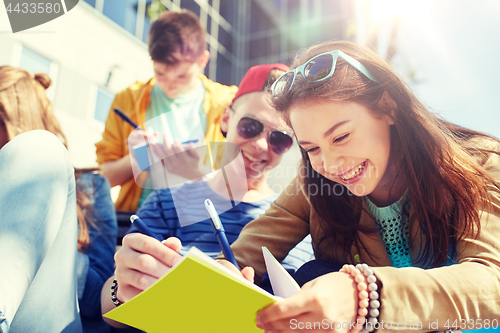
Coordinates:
x,y
24,106
439,161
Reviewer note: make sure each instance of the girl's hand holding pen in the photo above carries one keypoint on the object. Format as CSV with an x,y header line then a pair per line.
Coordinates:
x,y
141,261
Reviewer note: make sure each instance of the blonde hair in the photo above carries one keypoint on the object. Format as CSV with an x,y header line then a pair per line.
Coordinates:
x,y
24,107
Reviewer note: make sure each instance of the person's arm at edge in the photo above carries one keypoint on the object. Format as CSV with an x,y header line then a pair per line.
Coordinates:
x,y
117,171
116,166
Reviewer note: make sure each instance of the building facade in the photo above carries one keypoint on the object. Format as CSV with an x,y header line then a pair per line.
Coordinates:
x,y
99,48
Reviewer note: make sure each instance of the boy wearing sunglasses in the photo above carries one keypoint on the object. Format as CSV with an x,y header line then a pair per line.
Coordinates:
x,y
252,125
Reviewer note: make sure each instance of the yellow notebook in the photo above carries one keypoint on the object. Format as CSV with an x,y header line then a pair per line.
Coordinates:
x,y
197,295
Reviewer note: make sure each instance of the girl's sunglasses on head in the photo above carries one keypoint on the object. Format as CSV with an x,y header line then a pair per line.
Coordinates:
x,y
318,68
279,141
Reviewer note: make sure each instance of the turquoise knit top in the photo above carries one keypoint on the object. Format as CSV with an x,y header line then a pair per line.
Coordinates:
x,y
393,225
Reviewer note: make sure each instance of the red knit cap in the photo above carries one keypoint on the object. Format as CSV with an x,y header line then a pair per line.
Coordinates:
x,y
256,78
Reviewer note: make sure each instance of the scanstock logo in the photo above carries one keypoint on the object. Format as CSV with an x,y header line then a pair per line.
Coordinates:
x,y
25,14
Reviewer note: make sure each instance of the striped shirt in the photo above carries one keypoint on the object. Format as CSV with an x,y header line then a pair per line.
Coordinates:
x,y
180,212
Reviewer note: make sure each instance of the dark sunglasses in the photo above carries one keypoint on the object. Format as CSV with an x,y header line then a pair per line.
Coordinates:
x,y
279,141
318,68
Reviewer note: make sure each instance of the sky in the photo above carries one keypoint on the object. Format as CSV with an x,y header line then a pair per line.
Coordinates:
x,y
453,47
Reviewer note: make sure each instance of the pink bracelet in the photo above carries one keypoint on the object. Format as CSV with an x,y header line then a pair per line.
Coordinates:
x,y
368,297
363,303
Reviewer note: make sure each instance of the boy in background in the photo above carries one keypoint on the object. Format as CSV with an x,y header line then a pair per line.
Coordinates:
x,y
179,52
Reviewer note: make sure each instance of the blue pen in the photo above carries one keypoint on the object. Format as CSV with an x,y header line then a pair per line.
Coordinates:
x,y
142,227
134,125
220,233
124,117
190,141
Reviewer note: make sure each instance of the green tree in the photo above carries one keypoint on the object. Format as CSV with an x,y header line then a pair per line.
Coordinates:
x,y
155,9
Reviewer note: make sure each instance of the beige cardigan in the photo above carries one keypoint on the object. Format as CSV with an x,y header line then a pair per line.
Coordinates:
x,y
467,290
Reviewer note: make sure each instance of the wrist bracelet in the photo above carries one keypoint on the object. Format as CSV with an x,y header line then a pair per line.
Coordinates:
x,y
362,287
374,312
368,310
114,290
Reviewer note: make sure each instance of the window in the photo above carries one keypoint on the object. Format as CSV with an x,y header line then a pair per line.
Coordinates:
x,y
145,31
90,2
35,62
103,101
263,47
191,5
125,13
122,12
228,11
225,39
259,20
147,23
224,69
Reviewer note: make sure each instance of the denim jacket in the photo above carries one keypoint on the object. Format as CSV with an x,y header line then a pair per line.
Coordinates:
x,y
96,264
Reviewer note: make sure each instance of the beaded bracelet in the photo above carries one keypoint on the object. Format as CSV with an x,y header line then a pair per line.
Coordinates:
x,y
114,290
367,294
362,287
374,311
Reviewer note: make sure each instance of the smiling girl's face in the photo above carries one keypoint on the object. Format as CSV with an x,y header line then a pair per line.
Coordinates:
x,y
347,144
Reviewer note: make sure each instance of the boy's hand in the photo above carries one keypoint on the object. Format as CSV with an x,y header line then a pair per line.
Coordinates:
x,y
178,159
141,261
138,137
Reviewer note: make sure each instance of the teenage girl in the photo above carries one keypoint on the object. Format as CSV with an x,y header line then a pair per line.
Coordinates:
x,y
42,211
410,199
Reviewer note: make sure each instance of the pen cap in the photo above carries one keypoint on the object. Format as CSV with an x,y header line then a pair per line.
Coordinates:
x,y
213,216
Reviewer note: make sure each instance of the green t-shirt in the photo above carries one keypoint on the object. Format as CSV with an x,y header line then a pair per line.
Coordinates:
x,y
181,118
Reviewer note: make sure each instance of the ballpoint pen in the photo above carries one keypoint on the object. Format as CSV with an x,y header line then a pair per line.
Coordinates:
x,y
142,227
134,125
190,141
220,233
124,117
